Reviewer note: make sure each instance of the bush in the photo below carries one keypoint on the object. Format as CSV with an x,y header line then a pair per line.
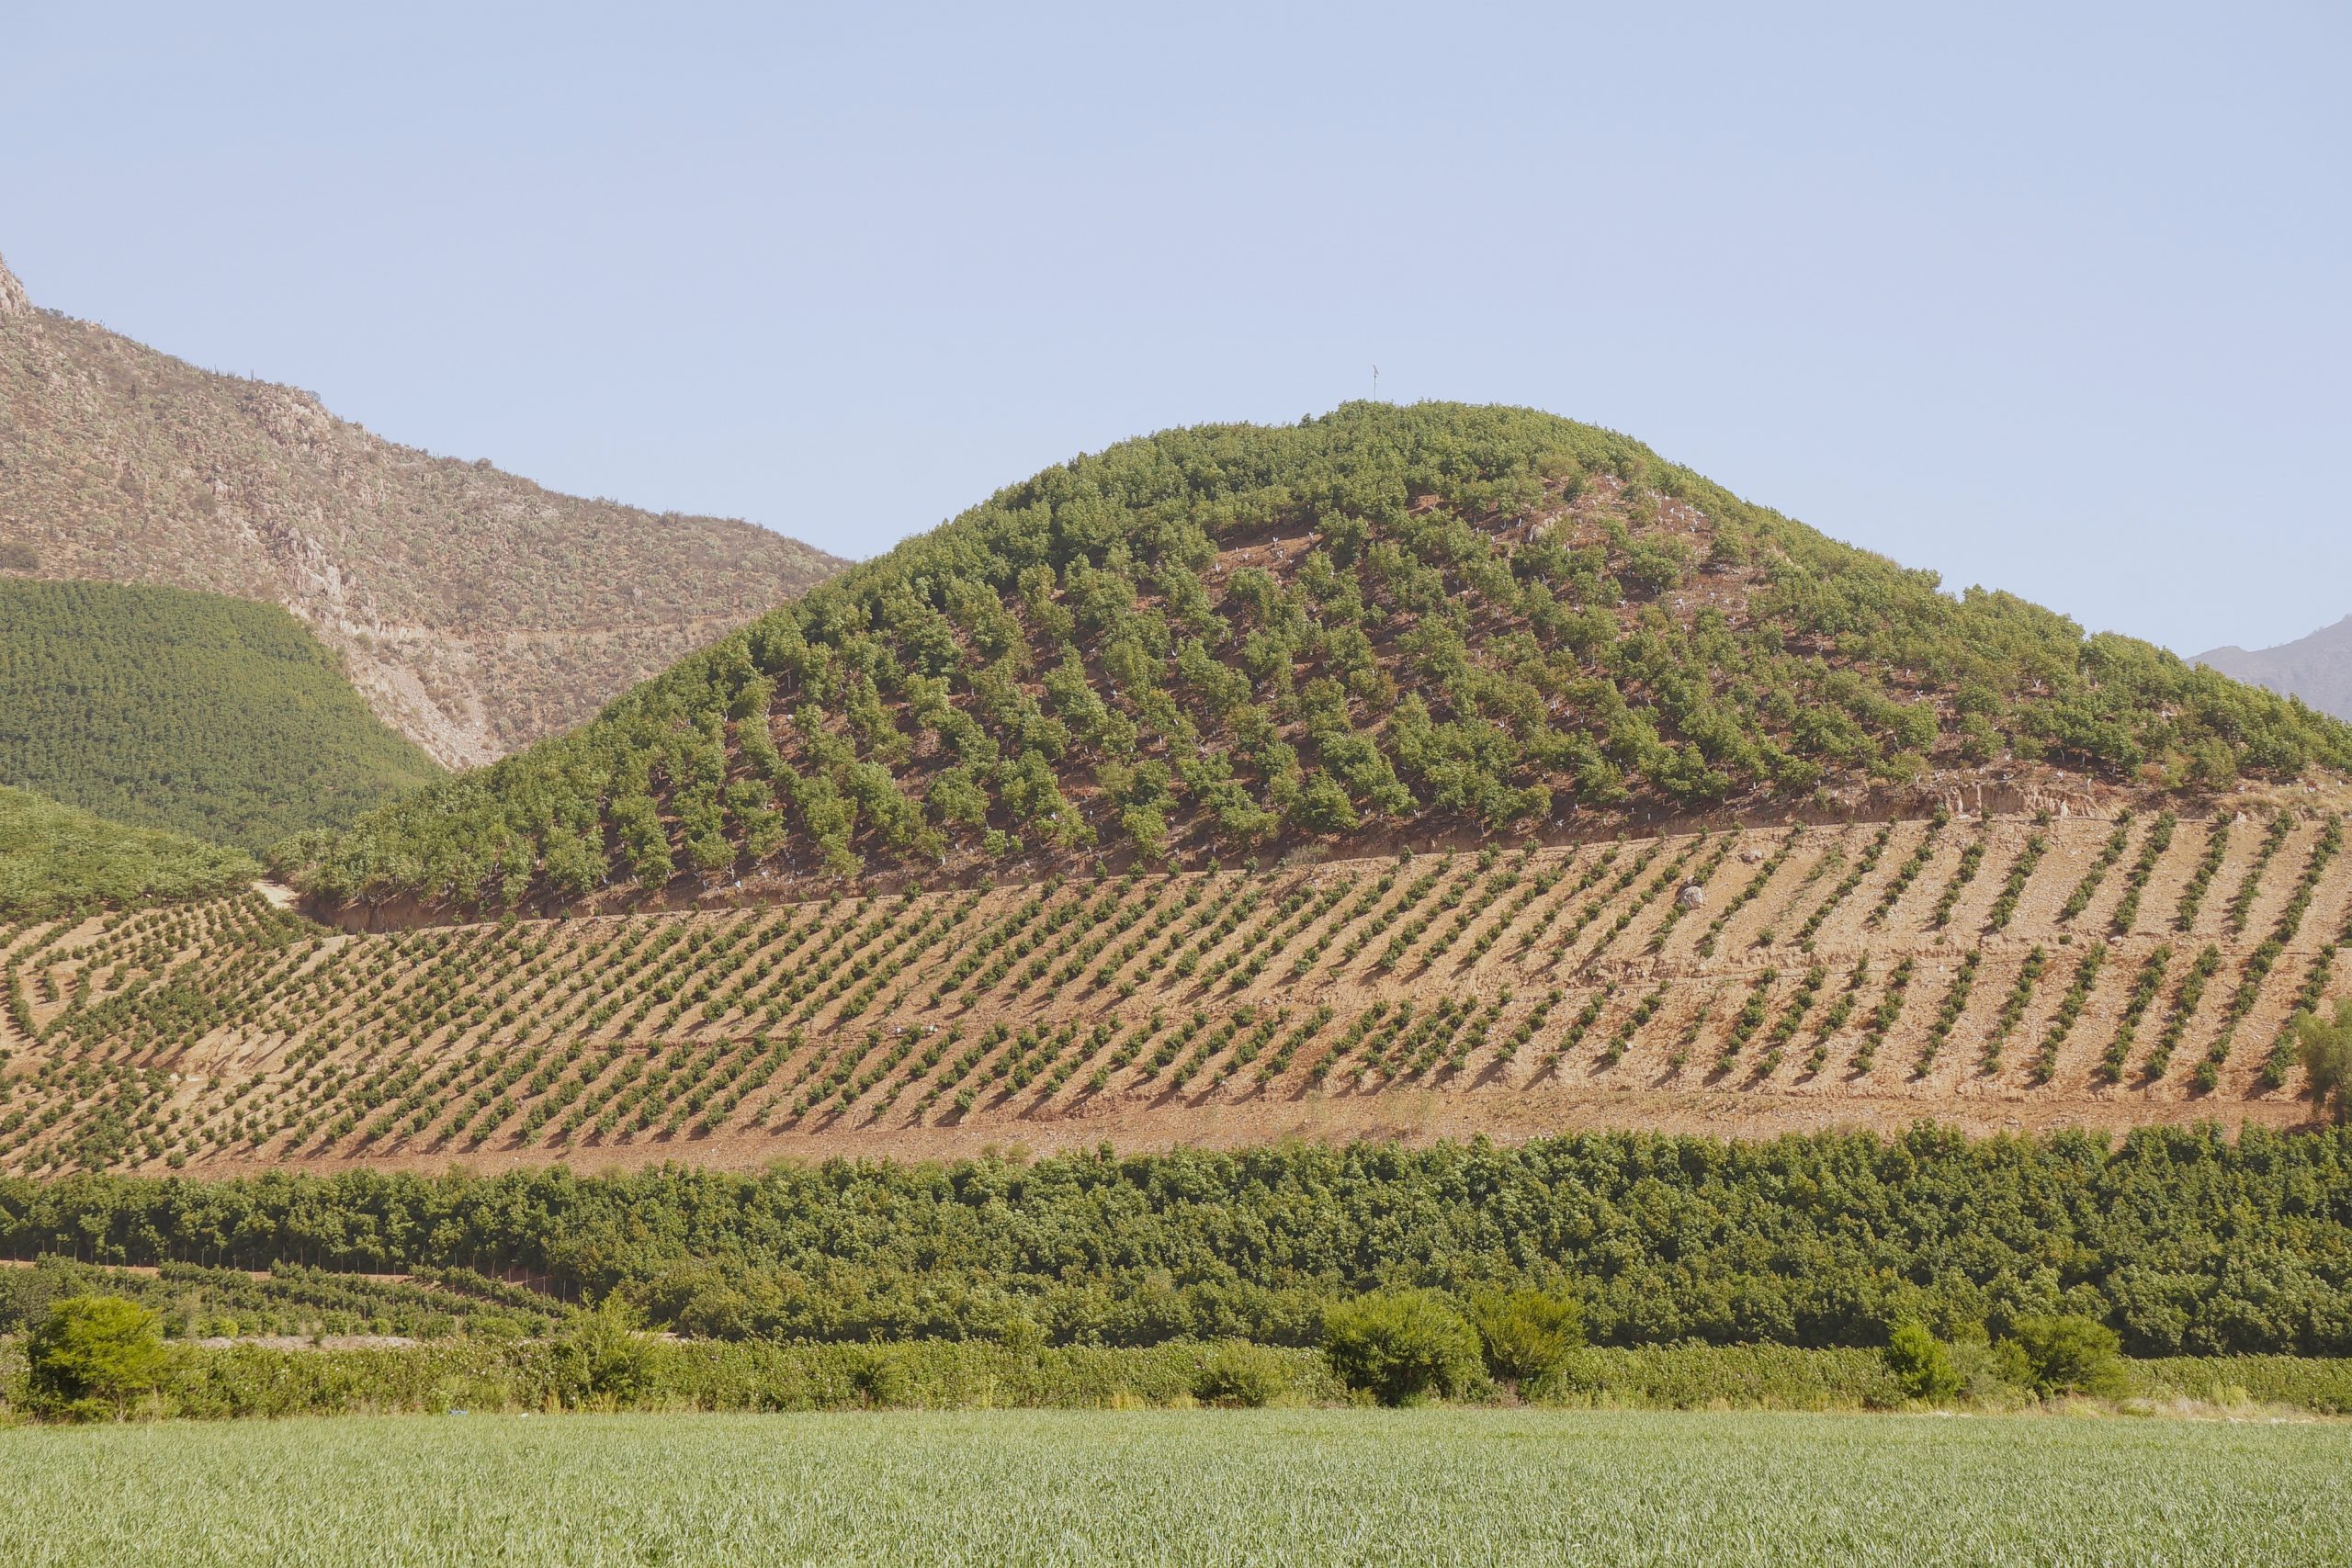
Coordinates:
x,y
2069,1354
601,1359
1921,1365
884,1381
1702,1377
2325,1046
27,1294
93,1354
1400,1347
1525,1332
1242,1376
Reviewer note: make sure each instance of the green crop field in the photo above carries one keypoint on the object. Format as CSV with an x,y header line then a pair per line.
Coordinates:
x,y
1433,1485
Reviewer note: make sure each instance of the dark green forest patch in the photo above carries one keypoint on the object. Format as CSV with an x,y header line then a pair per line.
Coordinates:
x,y
2181,1242
204,714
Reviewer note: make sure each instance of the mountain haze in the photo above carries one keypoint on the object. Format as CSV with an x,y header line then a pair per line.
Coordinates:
x,y
2317,668
1236,640
475,611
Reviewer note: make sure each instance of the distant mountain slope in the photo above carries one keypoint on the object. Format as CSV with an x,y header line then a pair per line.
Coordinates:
x,y
1237,640
162,708
477,611
2317,668
54,860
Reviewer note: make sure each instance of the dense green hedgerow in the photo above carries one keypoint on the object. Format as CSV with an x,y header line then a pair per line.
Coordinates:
x,y
205,715
55,859
483,1374
1214,639
2178,1240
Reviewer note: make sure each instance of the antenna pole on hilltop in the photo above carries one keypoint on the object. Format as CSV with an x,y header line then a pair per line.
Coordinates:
x,y
1375,383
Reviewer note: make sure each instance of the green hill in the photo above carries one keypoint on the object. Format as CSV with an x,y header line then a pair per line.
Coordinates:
x,y
1235,640
162,708
54,858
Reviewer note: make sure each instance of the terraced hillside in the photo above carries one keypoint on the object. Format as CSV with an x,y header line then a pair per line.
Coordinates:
x,y
475,611
1988,972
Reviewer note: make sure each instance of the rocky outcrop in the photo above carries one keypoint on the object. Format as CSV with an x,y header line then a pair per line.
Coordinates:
x,y
13,300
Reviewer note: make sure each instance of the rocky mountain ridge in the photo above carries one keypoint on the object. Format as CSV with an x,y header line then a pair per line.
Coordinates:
x,y
475,611
2317,668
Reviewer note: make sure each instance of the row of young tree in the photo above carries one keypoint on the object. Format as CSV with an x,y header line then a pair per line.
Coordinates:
x,y
1218,639
2175,1240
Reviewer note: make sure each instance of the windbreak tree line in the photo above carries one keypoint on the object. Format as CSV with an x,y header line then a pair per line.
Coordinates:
x,y
1221,639
192,712
2179,1241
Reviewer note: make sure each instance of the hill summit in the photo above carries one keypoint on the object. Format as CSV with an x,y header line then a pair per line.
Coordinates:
x,y
1432,624
475,611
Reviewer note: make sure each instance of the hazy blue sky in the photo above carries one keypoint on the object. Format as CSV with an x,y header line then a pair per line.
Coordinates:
x,y
2046,297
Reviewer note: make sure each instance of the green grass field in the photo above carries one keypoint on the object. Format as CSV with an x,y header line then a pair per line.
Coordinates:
x,y
1437,1486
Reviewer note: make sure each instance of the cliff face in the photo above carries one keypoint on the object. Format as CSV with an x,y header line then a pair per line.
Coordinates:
x,y
475,611
13,301
2317,668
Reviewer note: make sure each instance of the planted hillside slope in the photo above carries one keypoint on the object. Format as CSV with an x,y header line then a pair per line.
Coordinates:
x,y
475,611
2317,668
55,861
162,708
1233,639
1987,973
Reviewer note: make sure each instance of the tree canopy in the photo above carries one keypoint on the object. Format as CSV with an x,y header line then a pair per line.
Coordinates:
x,y
1221,639
55,859
2177,1239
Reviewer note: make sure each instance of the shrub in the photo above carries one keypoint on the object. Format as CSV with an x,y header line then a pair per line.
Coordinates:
x,y
601,1359
1401,1346
884,1381
2325,1046
27,1294
1525,1333
1242,1376
2069,1354
92,1354
1921,1365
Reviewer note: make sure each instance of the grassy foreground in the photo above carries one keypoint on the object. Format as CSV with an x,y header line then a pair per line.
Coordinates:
x,y
1434,1485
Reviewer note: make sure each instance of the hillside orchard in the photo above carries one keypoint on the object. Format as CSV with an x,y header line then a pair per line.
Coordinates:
x,y
1974,970
1438,621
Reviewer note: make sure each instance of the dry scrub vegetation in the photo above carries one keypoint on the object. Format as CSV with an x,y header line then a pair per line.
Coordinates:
x,y
1988,973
